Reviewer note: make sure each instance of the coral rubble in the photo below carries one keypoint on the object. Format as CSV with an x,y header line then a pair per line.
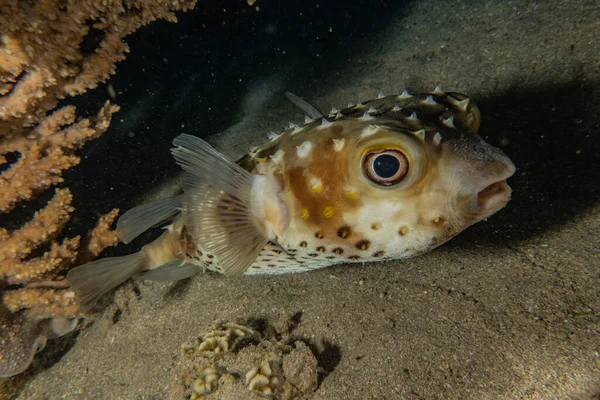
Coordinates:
x,y
244,363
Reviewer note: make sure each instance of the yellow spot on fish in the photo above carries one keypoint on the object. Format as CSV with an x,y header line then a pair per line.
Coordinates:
x,y
304,213
263,160
351,194
376,226
328,211
404,230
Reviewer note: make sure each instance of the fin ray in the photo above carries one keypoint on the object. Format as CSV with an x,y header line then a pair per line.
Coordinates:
x,y
217,204
90,281
173,271
141,218
303,105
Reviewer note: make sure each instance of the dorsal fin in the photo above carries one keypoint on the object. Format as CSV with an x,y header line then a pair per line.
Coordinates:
x,y
141,218
303,105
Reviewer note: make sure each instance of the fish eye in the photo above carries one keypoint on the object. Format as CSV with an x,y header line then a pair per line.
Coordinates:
x,y
386,167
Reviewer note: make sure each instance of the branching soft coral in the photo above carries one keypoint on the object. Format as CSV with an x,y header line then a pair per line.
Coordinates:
x,y
50,50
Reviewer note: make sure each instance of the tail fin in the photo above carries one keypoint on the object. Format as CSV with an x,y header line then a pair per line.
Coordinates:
x,y
90,281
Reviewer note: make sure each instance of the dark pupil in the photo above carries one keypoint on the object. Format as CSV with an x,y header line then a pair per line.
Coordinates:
x,y
386,166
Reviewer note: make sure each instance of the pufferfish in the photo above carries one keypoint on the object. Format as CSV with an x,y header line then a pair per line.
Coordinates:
x,y
385,179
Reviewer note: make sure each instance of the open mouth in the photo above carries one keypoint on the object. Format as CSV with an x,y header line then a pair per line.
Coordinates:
x,y
493,197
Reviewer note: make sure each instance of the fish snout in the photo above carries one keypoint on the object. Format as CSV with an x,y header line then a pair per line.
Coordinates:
x,y
484,189
493,193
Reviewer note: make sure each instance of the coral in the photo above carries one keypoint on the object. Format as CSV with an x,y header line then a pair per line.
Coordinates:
x,y
261,380
46,152
217,339
51,50
257,364
40,280
205,384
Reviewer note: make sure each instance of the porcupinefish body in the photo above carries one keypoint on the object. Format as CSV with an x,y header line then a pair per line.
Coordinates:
x,y
389,178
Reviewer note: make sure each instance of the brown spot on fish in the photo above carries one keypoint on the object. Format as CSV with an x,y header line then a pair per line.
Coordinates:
x,y
337,130
379,253
313,254
344,232
376,226
354,257
363,244
338,250
321,249
319,234
303,243
404,230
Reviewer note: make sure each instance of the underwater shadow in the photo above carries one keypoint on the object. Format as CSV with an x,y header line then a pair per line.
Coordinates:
x,y
327,353
54,351
550,133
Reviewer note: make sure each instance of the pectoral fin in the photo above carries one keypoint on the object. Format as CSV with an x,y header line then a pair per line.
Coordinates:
x,y
221,204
